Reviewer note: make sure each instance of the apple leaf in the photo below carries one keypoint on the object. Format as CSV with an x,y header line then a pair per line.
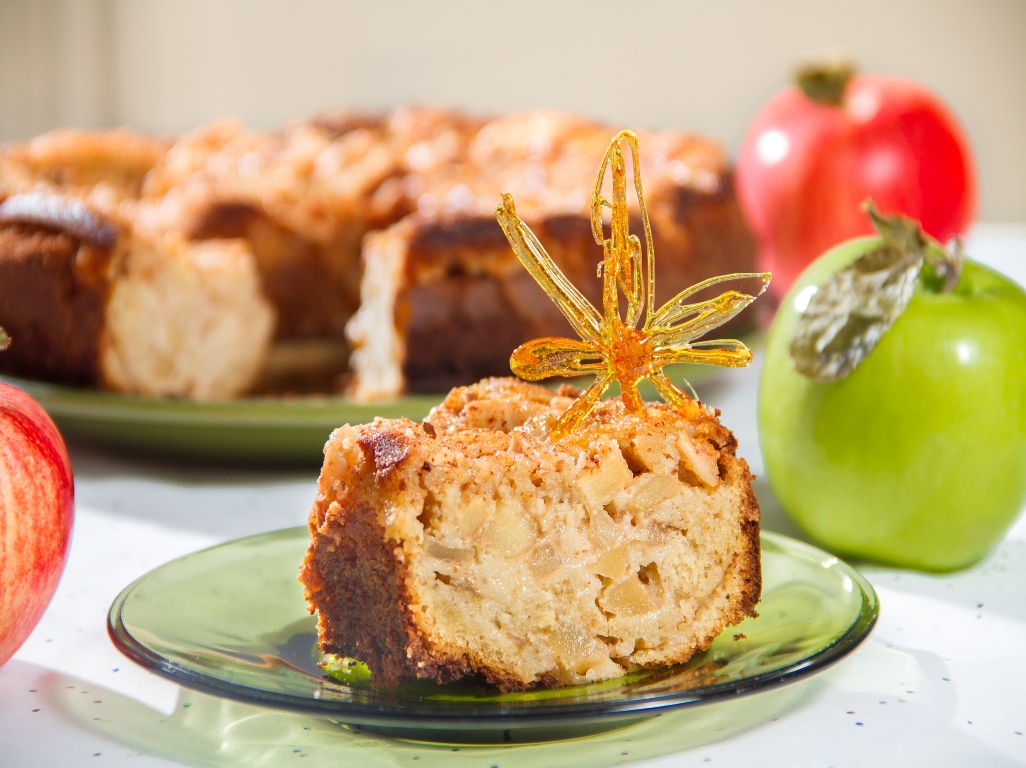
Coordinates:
x,y
345,670
851,311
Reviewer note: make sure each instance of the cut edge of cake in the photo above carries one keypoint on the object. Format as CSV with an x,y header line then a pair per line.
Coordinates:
x,y
95,297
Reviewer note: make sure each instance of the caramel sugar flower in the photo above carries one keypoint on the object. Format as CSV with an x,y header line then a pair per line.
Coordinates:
x,y
611,346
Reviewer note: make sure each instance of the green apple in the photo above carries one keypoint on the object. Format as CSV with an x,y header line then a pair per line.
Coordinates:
x,y
918,456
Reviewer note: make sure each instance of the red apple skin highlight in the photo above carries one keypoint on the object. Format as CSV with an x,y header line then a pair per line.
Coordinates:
x,y
37,507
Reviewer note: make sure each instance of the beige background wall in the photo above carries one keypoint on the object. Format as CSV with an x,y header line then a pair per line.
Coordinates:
x,y
169,65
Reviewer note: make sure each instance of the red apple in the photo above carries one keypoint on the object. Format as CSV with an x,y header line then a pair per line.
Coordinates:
x,y
817,150
37,507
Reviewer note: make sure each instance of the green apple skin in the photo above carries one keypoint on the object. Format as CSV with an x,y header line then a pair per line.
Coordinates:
x,y
918,457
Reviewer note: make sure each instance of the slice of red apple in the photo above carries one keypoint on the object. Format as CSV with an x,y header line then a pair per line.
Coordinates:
x,y
37,507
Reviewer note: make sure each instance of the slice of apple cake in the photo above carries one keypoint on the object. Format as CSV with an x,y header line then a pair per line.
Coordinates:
x,y
473,543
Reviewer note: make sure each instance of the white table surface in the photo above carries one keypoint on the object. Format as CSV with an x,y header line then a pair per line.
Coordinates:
x,y
940,682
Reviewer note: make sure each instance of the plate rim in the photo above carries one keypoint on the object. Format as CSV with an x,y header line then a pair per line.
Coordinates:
x,y
448,716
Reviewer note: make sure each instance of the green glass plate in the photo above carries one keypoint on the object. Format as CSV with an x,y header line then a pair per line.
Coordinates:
x,y
231,621
266,430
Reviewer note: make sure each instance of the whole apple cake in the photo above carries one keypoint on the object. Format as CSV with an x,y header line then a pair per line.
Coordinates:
x,y
366,233
475,544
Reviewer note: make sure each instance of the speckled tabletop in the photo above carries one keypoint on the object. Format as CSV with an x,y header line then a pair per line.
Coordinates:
x,y
941,681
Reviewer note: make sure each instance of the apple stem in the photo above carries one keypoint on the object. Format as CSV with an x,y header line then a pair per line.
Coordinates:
x,y
824,80
944,267
947,264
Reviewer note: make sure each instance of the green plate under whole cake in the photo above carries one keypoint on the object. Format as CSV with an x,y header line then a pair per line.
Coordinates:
x,y
266,430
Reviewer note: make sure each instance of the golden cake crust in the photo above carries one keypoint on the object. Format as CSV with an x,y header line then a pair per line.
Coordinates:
x,y
118,160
